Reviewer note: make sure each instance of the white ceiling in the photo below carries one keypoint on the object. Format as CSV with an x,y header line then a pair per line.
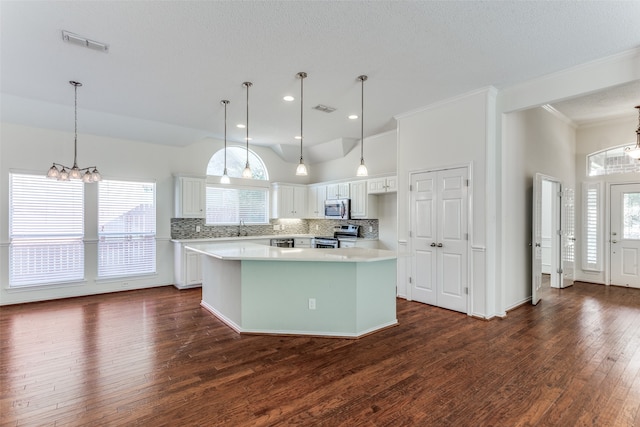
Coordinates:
x,y
171,62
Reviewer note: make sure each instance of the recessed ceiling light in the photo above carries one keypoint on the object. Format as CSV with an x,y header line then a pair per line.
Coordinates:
x,y
288,98
353,117
240,125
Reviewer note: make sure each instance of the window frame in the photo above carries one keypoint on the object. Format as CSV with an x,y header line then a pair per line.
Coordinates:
x,y
74,238
122,237
236,184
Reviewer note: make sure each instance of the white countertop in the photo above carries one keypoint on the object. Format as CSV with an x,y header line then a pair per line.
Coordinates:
x,y
245,251
241,238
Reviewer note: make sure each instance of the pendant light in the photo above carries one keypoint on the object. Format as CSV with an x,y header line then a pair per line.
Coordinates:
x,y
225,177
362,169
74,172
301,169
246,173
634,152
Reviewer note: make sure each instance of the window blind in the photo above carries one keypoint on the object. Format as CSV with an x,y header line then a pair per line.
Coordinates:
x,y
46,230
230,205
126,228
591,224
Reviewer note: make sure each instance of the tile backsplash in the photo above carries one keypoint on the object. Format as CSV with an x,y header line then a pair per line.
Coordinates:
x,y
185,228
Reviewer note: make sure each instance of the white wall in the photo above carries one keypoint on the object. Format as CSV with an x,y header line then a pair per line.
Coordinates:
x,y
379,156
534,141
32,150
451,133
589,139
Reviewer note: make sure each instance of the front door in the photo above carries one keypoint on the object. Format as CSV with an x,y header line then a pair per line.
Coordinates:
x,y
439,238
625,235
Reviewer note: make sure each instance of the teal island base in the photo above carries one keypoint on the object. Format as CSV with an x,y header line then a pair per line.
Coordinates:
x,y
330,299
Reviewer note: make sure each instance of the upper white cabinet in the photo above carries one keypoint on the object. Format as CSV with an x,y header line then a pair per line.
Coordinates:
x,y
190,197
316,196
338,191
387,184
288,201
363,204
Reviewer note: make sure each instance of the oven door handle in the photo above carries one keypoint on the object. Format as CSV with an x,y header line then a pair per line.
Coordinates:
x,y
343,209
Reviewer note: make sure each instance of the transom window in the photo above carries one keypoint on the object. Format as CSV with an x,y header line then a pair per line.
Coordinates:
x,y
236,162
611,161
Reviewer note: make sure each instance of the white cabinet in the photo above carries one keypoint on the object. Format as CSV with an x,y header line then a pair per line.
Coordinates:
x,y
367,243
302,242
288,201
338,191
187,267
363,205
316,195
190,197
387,184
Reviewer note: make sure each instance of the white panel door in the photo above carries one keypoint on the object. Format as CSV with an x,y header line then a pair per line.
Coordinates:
x,y
439,237
452,239
423,226
536,237
625,235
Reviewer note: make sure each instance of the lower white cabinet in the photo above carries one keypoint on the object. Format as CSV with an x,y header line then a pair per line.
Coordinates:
x,y
187,267
302,242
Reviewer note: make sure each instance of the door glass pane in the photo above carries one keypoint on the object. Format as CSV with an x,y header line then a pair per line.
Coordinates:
x,y
631,216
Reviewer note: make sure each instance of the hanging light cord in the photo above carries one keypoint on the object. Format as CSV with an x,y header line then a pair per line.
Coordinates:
x,y
302,76
247,85
75,119
362,79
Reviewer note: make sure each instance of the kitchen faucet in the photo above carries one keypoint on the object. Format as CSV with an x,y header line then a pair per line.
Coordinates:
x,y
240,225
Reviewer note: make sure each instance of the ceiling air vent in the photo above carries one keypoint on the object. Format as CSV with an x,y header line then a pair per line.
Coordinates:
x,y
83,41
324,108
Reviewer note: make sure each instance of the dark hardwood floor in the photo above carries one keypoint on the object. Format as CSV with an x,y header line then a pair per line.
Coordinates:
x,y
154,357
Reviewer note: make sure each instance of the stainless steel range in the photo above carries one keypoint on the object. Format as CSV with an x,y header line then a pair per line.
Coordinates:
x,y
344,236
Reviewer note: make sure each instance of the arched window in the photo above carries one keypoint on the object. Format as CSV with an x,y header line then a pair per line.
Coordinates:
x,y
236,161
611,161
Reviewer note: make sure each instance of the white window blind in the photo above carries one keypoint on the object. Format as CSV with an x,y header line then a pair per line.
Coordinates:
x,y
126,228
230,205
591,226
46,230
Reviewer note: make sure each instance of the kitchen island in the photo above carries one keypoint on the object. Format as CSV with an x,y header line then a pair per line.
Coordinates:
x,y
346,292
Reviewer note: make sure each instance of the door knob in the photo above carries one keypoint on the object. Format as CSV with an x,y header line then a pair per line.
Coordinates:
x,y
439,245
433,245
614,241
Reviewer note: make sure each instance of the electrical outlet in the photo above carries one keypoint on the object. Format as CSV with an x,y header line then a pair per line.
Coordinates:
x,y
197,228
370,229
276,227
312,303
316,227
281,226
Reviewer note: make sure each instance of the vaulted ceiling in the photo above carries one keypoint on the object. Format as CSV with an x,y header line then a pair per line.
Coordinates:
x,y
169,63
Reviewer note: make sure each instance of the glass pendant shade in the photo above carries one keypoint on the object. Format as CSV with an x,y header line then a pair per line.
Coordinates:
x,y
224,179
53,173
301,169
246,173
362,170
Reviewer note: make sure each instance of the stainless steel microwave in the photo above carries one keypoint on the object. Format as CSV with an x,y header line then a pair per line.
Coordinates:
x,y
337,209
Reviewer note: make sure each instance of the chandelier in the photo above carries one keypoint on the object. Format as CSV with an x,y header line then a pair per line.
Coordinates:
x,y
74,172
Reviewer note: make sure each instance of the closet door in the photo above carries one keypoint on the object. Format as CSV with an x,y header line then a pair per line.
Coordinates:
x,y
439,218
